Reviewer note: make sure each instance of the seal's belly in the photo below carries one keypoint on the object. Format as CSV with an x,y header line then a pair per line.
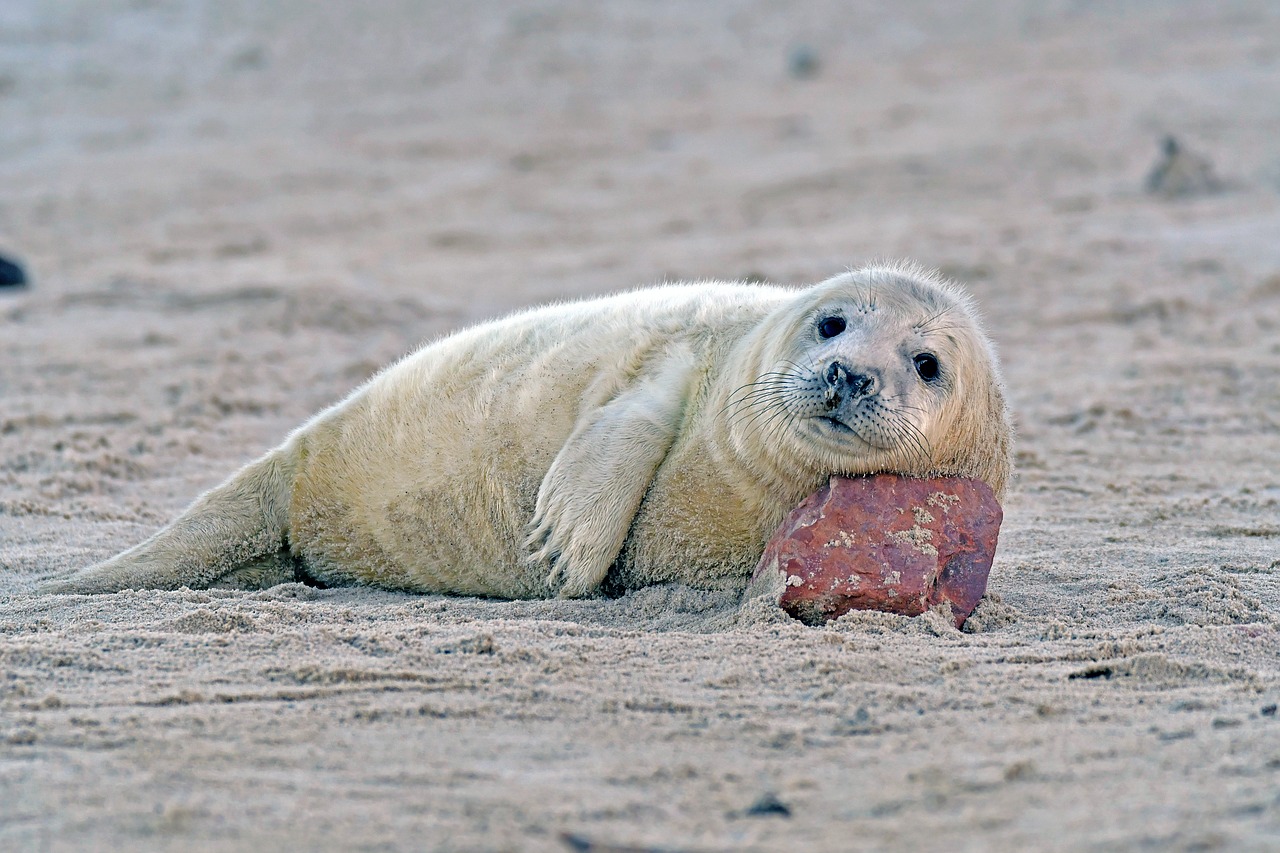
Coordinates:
x,y
425,534
397,494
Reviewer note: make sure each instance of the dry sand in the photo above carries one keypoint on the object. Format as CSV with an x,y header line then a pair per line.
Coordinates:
x,y
235,211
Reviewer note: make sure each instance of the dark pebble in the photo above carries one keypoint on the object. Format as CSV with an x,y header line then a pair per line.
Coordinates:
x,y
11,274
803,63
768,805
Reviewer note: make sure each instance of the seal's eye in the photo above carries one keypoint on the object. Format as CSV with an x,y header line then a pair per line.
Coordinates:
x,y
829,327
926,366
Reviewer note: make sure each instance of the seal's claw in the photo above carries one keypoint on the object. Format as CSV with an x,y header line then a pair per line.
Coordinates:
x,y
572,562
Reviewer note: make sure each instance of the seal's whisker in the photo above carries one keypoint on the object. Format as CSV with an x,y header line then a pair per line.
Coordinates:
x,y
898,405
789,421
752,400
783,412
924,325
752,390
756,412
763,379
757,389
768,413
946,327
771,376
913,435
896,429
786,405
758,400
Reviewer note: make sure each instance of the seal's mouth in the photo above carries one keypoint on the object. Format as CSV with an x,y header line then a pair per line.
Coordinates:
x,y
835,425
844,434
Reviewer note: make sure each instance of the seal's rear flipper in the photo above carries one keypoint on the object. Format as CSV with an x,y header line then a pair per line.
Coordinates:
x,y
236,525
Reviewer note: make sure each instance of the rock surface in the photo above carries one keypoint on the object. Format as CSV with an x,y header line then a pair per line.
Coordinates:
x,y
885,542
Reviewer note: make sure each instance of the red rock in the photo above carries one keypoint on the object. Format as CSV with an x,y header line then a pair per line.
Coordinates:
x,y
885,542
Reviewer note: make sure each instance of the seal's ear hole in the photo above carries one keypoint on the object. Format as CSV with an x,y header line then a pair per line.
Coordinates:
x,y
829,327
927,366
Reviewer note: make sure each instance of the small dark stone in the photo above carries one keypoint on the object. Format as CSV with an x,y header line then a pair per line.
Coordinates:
x,y
1269,710
803,62
576,842
1180,173
582,844
11,274
769,805
858,723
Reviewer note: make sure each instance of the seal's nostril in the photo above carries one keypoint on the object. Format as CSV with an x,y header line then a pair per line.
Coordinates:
x,y
840,379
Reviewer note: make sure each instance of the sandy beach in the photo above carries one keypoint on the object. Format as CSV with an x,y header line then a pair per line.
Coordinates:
x,y
233,213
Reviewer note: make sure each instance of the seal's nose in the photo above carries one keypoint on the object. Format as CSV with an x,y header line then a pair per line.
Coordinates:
x,y
842,382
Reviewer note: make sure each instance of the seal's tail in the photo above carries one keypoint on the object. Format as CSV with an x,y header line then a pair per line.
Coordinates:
x,y
241,523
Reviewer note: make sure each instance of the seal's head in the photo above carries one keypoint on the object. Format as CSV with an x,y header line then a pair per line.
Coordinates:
x,y
882,369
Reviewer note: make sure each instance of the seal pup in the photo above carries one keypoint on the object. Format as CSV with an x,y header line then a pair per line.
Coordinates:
x,y
653,436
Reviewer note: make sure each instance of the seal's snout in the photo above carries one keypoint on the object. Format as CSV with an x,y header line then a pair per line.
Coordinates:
x,y
842,383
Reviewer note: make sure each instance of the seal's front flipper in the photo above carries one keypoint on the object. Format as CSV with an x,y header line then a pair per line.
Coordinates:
x,y
237,523
590,495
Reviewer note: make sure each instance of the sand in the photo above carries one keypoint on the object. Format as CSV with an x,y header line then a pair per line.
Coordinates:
x,y
234,212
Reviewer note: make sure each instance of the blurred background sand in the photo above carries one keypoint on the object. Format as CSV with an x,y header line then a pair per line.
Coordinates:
x,y
234,212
